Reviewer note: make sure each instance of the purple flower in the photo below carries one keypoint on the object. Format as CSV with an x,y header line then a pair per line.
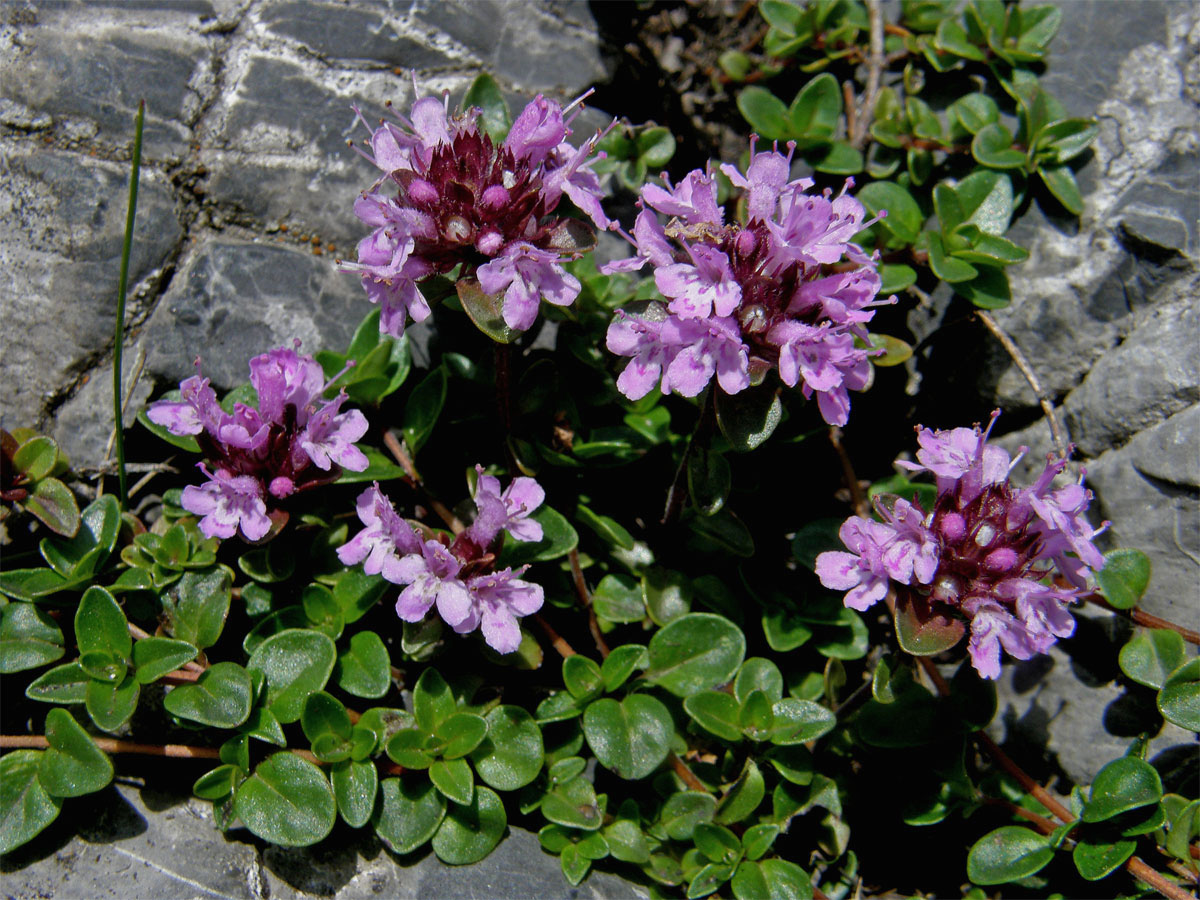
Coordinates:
x,y
450,197
986,552
228,503
294,440
508,511
500,598
524,273
748,298
458,578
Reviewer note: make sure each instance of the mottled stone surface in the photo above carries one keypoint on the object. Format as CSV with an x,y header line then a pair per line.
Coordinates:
x,y
127,843
60,248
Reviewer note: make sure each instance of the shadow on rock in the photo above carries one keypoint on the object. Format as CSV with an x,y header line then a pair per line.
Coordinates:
x,y
101,818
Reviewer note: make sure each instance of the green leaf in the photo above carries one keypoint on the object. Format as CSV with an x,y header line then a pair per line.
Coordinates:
x,y
72,765
630,737
666,594
433,701
784,632
749,417
986,200
620,664
695,652
363,668
717,843
92,543
268,565
511,754
765,113
786,880
799,721
904,217
100,625
558,539
459,734
895,351
755,716
1151,655
743,796
895,278
988,249
486,311
656,146
839,159
1094,860
470,832
574,805
582,678
30,584
684,810
709,479
63,684
813,115
408,814
1185,826
28,638
154,657
1124,784
356,593
1065,139
454,779
325,714
25,806
618,598
201,606
321,611
53,504
287,801
222,697
297,662
1060,181
990,290
757,839
36,457
946,267
716,712
103,666
749,883
761,674
923,632
952,38
708,879
993,147
423,408
494,117
608,529
1124,578
1179,699
218,783
1007,854
975,112
111,704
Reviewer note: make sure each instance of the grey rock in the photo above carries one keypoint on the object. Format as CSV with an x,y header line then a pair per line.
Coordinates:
x,y
1156,516
1070,712
1151,375
349,34
1170,452
60,254
537,46
276,147
83,424
233,300
148,844
75,67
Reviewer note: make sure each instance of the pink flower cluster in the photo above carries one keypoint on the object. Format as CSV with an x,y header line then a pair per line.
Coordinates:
x,y
787,290
293,441
449,196
984,553
458,577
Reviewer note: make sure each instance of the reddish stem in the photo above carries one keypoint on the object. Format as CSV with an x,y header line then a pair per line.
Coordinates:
x,y
585,598
1141,617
